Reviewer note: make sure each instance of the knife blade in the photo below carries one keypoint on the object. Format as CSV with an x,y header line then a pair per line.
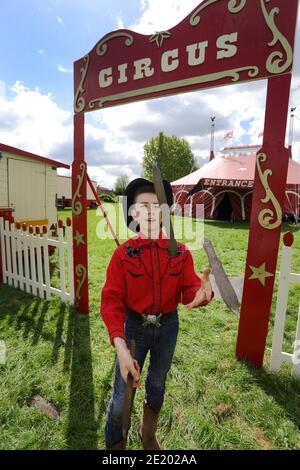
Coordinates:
x,y
166,216
224,285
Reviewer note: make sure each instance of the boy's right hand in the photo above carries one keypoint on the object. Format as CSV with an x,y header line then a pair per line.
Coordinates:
x,y
127,363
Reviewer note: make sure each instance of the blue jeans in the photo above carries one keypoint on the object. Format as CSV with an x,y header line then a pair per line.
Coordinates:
x,y
161,343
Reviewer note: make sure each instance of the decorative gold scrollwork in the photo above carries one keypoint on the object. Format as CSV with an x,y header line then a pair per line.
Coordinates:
x,y
77,205
276,62
234,6
159,37
267,215
79,101
102,46
80,271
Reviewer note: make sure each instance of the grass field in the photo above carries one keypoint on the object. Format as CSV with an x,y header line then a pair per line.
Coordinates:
x,y
212,401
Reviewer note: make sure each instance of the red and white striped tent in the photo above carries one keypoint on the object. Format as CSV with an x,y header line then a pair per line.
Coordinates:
x,y
225,187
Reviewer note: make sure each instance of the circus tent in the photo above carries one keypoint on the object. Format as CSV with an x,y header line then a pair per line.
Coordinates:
x,y
225,186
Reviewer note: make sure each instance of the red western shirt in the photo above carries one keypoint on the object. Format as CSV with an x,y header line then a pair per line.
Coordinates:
x,y
143,276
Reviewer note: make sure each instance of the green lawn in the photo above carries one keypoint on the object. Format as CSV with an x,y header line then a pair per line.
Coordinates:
x,y
212,401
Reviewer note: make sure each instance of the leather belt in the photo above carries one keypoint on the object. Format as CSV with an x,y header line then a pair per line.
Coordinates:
x,y
150,319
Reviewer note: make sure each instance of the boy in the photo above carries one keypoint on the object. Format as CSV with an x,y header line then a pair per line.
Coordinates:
x,y
143,287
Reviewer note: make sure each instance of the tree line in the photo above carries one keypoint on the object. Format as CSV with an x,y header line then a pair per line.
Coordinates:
x,y
172,155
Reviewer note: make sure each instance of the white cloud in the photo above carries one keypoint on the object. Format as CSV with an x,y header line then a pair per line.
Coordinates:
x,y
64,69
120,23
59,20
158,15
33,121
2,89
41,51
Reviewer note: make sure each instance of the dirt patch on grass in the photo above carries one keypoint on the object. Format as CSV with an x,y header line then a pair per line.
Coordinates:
x,y
261,439
222,411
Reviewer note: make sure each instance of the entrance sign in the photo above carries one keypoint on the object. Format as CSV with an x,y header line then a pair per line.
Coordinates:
x,y
227,183
221,42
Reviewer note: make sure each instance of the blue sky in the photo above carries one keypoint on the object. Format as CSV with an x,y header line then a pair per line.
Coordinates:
x,y
44,34
40,41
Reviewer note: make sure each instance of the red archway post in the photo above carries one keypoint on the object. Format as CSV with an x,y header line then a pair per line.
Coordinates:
x,y
79,218
265,225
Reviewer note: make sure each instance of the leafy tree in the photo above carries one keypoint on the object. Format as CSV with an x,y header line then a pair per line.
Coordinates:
x,y
120,184
172,155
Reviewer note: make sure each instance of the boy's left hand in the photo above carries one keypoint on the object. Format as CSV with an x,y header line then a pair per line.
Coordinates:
x,y
205,294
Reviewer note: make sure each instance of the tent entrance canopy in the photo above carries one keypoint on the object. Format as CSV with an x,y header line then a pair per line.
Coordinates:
x,y
232,175
236,206
221,42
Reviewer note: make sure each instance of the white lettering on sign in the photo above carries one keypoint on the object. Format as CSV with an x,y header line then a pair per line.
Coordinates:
x,y
105,78
169,61
196,53
143,69
228,183
122,73
225,43
226,46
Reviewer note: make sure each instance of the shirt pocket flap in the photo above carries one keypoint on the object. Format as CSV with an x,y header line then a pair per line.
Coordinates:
x,y
177,261
132,261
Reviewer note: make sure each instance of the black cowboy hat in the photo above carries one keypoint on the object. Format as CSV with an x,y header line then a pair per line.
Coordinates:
x,y
129,192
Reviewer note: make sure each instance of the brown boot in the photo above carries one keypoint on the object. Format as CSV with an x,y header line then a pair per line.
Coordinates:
x,y
148,429
118,446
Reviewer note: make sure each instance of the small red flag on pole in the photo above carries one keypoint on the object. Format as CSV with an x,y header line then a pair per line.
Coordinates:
x,y
228,135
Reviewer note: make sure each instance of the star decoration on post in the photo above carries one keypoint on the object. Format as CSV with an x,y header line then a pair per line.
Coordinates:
x,y
79,238
159,37
260,273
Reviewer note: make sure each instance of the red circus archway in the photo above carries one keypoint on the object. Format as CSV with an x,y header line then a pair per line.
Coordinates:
x,y
220,42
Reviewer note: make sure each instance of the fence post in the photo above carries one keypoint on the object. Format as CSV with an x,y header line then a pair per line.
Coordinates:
x,y
282,300
70,258
1,248
296,358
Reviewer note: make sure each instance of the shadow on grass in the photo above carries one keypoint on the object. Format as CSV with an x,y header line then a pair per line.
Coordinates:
x,y
27,315
58,341
284,390
245,225
105,391
82,426
238,225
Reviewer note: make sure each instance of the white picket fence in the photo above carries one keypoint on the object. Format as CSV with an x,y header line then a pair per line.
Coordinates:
x,y
285,279
25,258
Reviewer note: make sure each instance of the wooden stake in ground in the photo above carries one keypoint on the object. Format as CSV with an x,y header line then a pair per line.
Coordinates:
x,y
43,405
